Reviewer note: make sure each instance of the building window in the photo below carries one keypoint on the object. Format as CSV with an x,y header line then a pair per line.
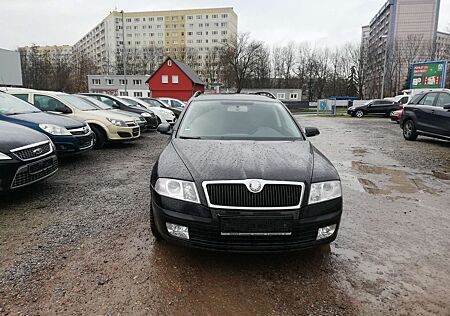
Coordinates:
x,y
137,94
214,16
294,96
123,82
190,17
224,16
165,79
123,93
137,82
109,82
96,82
281,96
199,17
175,79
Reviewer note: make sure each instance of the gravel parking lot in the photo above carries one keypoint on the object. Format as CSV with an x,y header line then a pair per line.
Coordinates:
x,y
79,243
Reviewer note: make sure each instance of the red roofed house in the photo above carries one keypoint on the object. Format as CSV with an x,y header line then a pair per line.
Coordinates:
x,y
175,79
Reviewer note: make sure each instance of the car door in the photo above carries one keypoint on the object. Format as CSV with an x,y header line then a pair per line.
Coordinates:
x,y
441,115
376,107
425,113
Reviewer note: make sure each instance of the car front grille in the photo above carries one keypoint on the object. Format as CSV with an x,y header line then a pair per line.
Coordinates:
x,y
79,131
132,124
34,172
85,141
273,195
33,151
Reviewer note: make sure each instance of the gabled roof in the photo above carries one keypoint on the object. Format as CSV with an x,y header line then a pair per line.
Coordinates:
x,y
184,68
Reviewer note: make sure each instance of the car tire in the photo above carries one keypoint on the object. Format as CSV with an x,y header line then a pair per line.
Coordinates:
x,y
99,137
359,113
158,120
409,130
153,229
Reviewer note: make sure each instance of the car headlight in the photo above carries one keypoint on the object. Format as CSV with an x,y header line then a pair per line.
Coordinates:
x,y
145,114
115,122
177,189
324,191
4,156
54,129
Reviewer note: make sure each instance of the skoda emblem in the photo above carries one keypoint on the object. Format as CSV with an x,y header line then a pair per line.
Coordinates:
x,y
255,186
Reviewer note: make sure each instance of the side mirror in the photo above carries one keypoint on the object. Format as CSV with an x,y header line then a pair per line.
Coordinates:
x,y
311,131
164,128
446,106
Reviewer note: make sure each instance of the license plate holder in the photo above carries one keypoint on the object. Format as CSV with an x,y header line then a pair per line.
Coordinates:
x,y
40,166
256,226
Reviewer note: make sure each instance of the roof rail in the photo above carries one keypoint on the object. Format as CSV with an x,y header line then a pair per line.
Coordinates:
x,y
197,93
265,94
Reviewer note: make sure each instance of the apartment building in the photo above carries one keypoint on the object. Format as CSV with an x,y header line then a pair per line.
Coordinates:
x,y
176,33
52,50
400,27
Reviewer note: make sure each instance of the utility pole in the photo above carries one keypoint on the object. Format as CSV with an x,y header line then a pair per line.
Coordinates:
x,y
124,53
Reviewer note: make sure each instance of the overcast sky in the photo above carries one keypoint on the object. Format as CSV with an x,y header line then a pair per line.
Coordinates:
x,y
324,22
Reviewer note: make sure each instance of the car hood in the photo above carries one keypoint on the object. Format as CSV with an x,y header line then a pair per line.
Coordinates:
x,y
126,113
102,114
231,160
48,118
14,136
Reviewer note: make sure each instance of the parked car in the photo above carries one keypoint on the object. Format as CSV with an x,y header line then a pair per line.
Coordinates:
x,y
160,104
174,103
400,99
382,106
26,156
396,116
239,174
164,115
427,114
107,126
139,119
69,135
117,103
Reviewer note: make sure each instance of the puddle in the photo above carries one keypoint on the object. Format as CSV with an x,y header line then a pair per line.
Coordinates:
x,y
441,175
385,180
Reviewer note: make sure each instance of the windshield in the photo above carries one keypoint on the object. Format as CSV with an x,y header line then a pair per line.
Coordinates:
x,y
368,102
244,120
130,101
97,103
153,102
10,105
78,102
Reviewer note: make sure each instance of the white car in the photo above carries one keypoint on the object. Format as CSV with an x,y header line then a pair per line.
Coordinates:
x,y
174,103
163,115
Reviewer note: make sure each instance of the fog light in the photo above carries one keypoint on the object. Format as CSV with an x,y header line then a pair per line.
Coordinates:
x,y
178,230
325,232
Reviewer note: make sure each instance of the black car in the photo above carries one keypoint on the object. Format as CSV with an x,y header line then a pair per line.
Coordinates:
x,y
382,106
239,174
116,103
161,104
70,136
26,156
427,114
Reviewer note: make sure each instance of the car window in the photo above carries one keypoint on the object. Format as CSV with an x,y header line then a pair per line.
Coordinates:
x,y
153,103
444,99
10,105
176,104
404,100
245,120
78,102
95,101
108,101
130,101
22,96
428,99
416,99
46,103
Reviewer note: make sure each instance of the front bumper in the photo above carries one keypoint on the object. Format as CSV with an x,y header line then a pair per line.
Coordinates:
x,y
73,144
204,226
16,174
152,122
117,133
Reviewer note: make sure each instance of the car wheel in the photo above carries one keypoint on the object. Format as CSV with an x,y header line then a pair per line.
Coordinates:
x,y
359,113
153,229
99,137
409,130
158,120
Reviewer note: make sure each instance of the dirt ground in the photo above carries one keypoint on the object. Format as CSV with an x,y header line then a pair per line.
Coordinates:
x,y
79,243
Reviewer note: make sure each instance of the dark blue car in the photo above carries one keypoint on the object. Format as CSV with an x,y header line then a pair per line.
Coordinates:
x,y
69,135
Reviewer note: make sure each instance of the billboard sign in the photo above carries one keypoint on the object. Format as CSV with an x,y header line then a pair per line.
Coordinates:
x,y
428,75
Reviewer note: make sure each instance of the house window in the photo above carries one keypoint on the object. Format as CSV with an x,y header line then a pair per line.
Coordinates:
x,y
137,94
123,82
175,79
281,96
137,82
294,96
96,82
165,79
109,82
123,93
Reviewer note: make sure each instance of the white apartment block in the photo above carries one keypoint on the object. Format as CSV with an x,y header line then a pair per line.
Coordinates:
x,y
175,33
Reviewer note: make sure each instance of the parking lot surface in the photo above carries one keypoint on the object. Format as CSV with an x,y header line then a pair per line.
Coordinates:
x,y
79,243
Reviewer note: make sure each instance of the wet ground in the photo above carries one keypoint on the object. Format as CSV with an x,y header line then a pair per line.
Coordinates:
x,y
79,243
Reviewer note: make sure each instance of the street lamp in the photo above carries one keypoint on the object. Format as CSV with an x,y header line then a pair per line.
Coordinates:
x,y
384,65
124,53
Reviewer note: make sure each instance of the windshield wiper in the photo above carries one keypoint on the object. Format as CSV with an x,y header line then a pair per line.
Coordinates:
x,y
190,137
